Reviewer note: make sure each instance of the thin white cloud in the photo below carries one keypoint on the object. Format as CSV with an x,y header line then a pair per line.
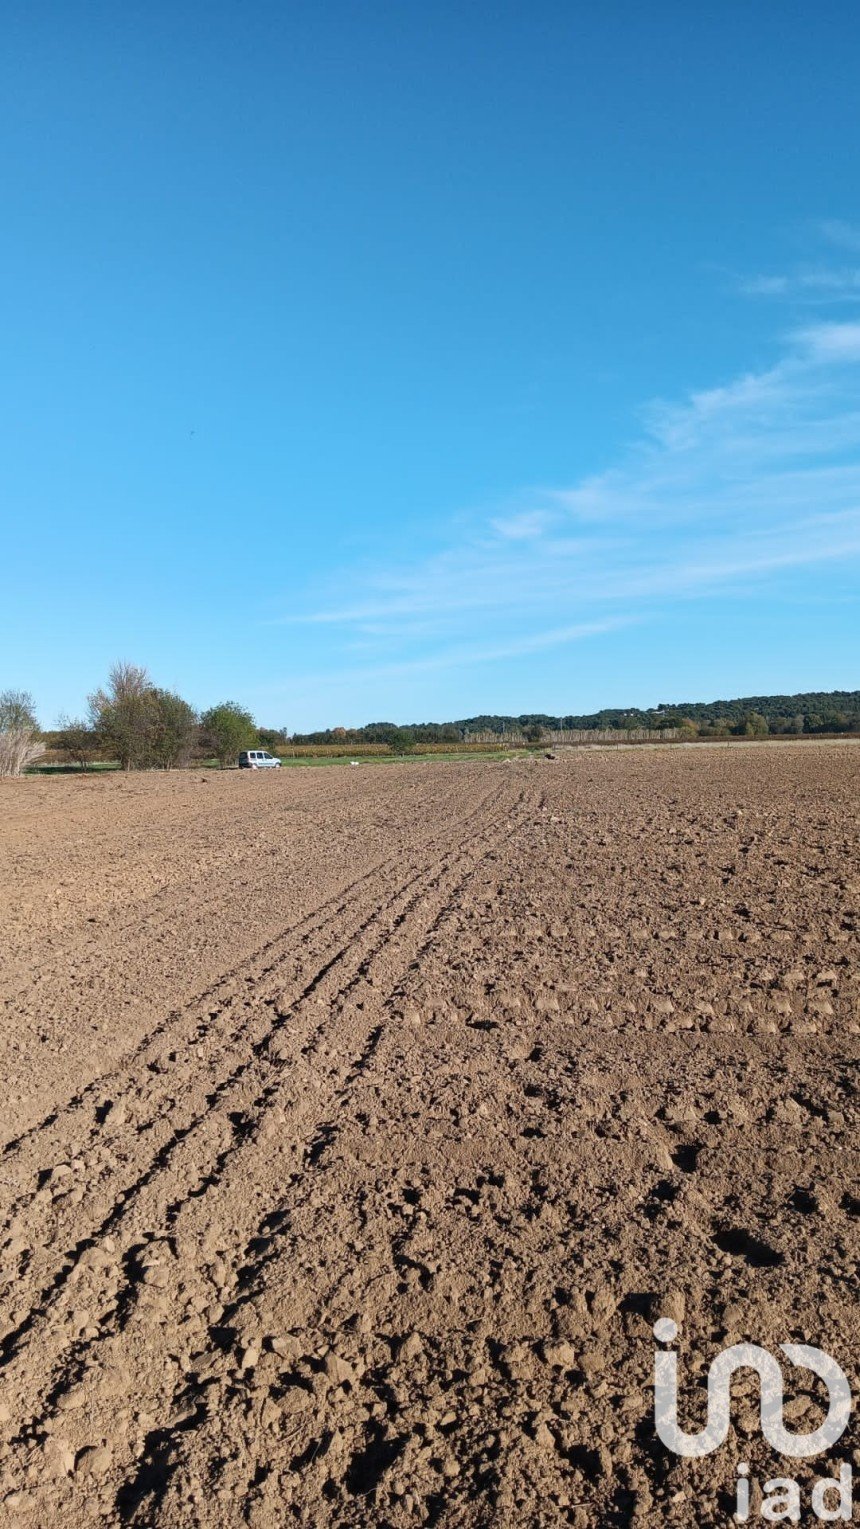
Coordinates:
x,y
728,490
831,342
521,527
467,656
844,235
816,285
766,286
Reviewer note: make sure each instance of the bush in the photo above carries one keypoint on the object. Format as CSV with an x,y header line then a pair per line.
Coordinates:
x,y
137,724
174,730
401,740
20,744
124,716
77,740
227,730
751,725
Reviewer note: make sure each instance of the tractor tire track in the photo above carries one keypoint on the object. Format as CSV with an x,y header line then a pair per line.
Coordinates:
x,y
177,1155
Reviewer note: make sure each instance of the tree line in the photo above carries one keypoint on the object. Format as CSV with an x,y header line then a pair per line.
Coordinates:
x,y
140,726
144,727
836,711
833,711
133,722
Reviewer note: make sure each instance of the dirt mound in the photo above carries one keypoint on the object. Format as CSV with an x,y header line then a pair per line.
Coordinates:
x,y
361,1124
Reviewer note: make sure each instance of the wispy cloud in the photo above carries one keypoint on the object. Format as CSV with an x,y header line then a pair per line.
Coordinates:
x,y
844,235
817,283
524,526
471,654
723,491
831,342
807,285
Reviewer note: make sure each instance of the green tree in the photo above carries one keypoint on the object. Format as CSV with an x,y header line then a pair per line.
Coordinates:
x,y
401,740
124,716
274,739
227,730
78,741
752,725
174,730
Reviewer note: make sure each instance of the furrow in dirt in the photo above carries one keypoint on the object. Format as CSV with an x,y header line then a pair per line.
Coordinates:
x,y
394,1184
207,1024
344,969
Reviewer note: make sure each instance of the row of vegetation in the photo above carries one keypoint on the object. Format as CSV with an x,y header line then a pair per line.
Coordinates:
x,y
836,711
131,722
134,723
137,725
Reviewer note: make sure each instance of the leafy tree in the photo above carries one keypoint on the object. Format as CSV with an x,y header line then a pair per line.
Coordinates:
x,y
20,743
228,729
272,738
752,725
174,730
401,740
378,732
125,715
78,741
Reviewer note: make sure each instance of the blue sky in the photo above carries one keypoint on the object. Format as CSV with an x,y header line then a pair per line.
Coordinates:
x,y
412,361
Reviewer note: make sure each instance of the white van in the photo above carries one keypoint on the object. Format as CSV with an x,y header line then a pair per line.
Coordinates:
x,y
257,759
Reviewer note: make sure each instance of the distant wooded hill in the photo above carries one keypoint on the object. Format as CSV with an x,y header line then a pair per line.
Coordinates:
x,y
816,711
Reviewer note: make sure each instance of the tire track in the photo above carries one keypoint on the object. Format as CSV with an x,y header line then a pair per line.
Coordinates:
x,y
337,904
157,911
320,1132
169,1117
180,1143
274,952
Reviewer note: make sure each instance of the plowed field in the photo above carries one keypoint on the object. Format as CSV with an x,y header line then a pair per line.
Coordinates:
x,y
359,1124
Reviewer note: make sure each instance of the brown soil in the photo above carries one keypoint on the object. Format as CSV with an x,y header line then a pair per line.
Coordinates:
x,y
359,1124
